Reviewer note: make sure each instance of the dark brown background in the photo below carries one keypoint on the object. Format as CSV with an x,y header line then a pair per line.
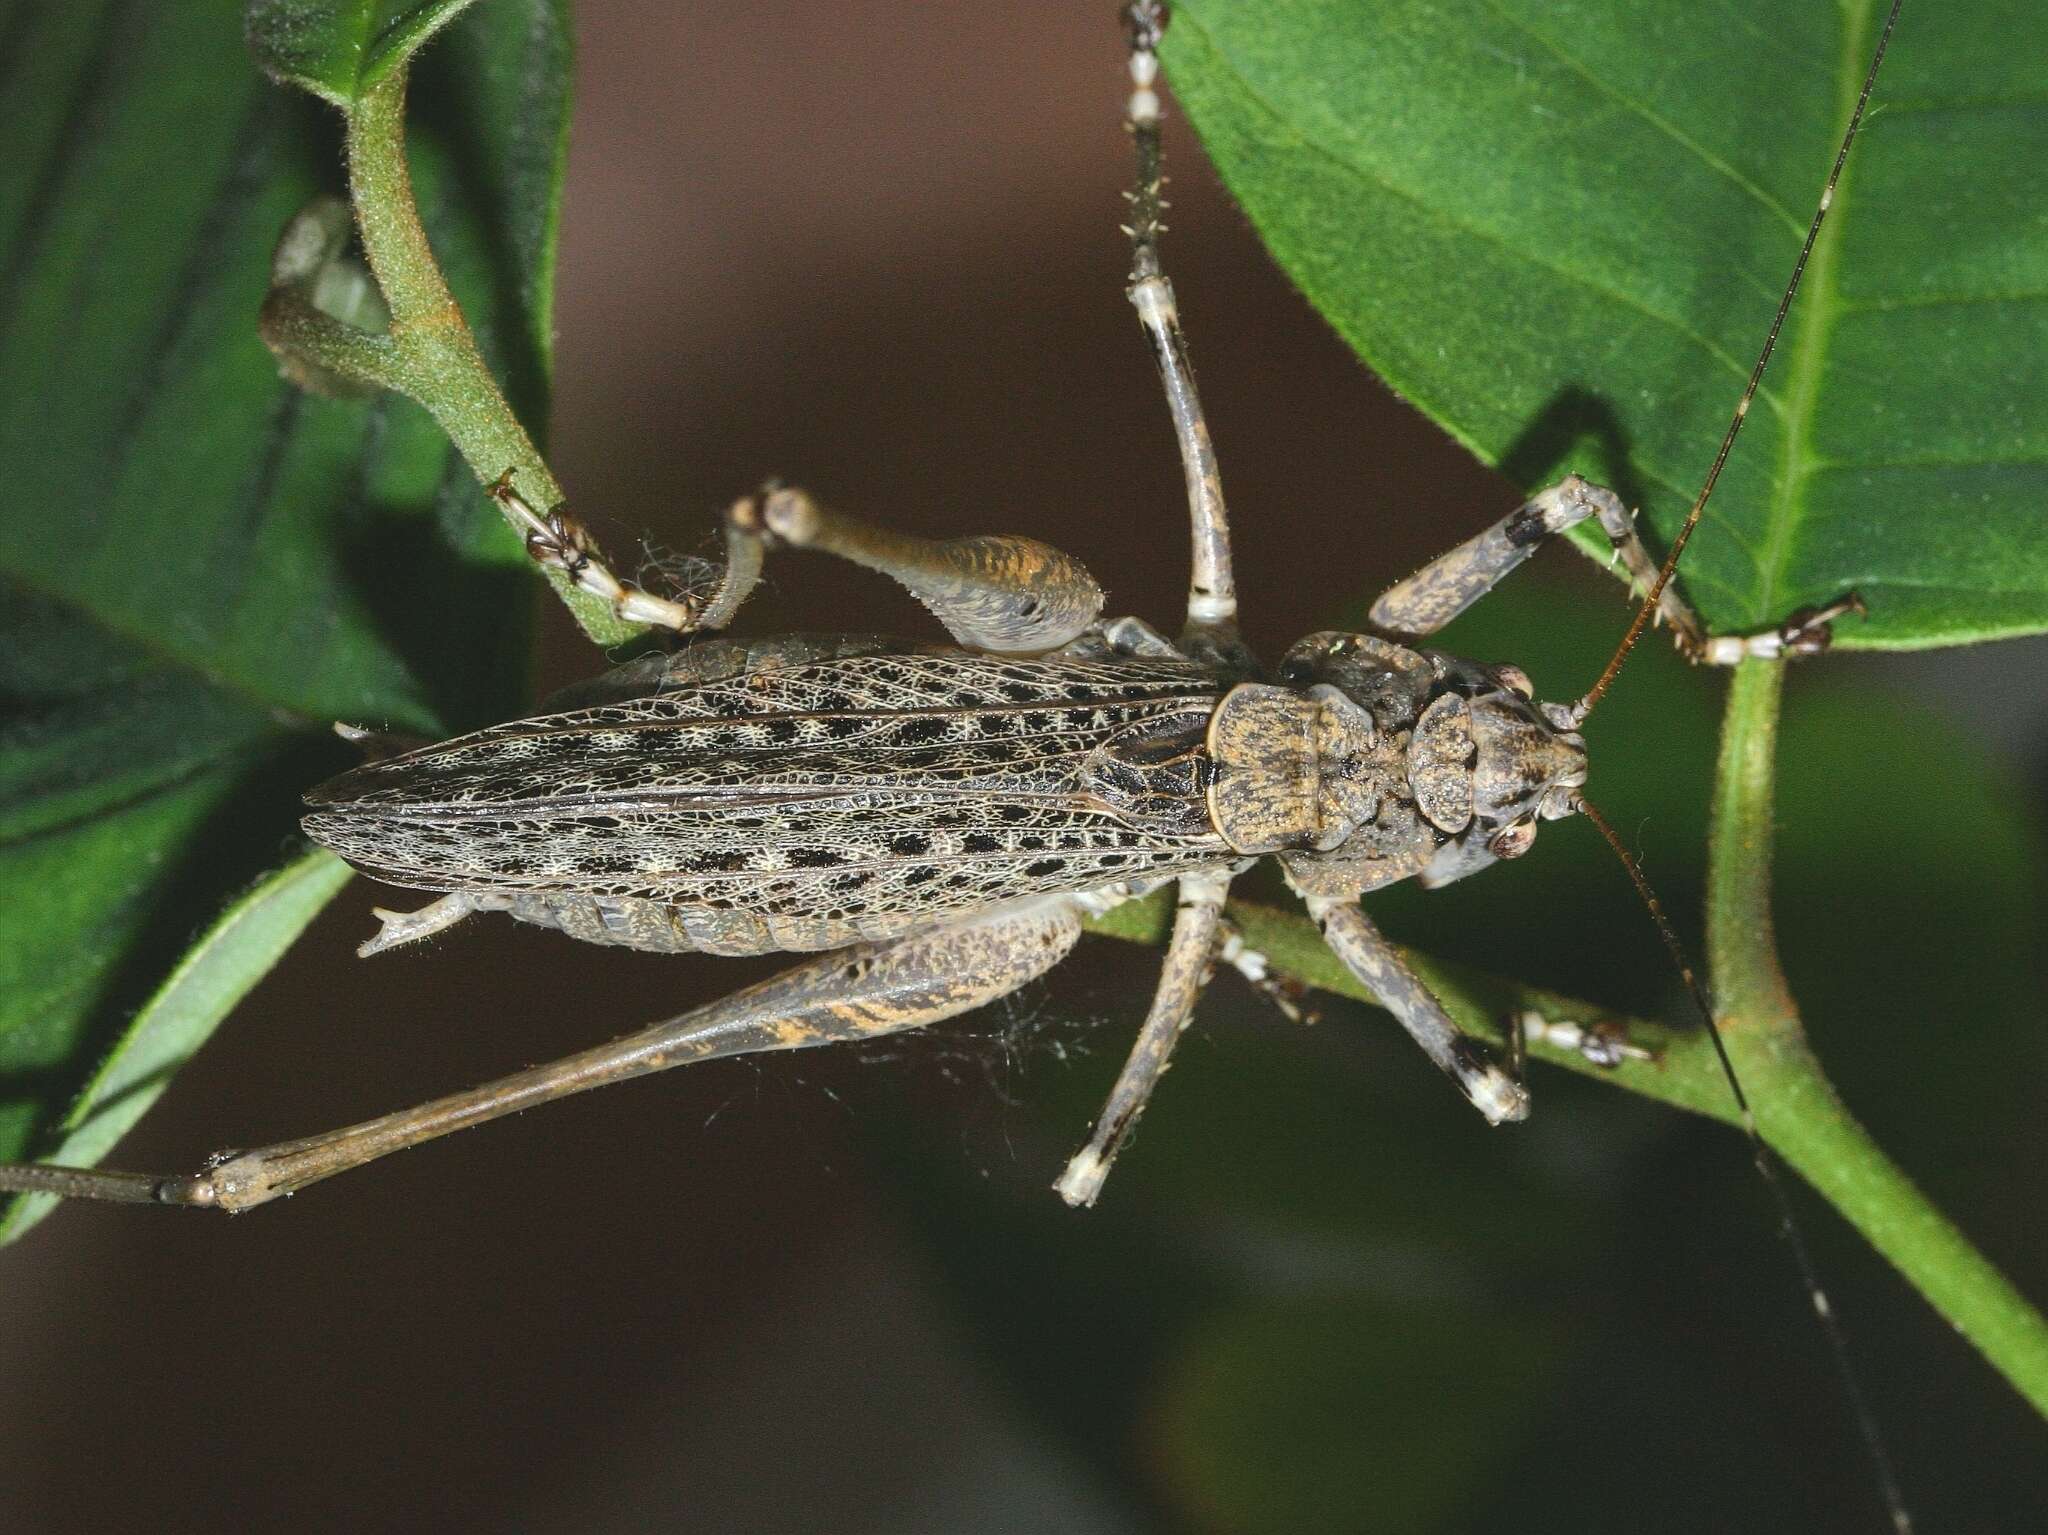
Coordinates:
x,y
870,247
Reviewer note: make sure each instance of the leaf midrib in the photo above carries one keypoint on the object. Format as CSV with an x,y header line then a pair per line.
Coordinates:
x,y
383,55
1806,362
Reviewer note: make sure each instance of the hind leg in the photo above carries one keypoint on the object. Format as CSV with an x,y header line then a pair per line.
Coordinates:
x,y
854,993
994,592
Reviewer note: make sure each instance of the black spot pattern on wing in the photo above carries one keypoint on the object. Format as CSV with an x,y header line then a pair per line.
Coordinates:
x,y
840,790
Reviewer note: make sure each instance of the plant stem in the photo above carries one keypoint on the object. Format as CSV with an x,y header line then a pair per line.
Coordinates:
x,y
1679,1075
1796,1108
327,355
434,359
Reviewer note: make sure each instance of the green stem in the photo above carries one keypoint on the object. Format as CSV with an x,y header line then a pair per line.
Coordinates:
x,y
324,354
1479,1001
434,357
1796,1109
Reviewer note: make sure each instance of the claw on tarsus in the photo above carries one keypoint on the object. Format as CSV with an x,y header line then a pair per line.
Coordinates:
x,y
1810,631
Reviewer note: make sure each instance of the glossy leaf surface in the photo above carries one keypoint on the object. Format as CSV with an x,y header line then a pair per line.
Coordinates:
x,y
1561,230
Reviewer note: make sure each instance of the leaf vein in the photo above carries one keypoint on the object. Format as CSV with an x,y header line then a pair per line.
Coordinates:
x,y
1366,175
83,122
147,639
1808,347
1668,129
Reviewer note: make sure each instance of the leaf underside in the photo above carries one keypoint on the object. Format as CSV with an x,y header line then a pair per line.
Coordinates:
x,y
1561,231
338,49
218,566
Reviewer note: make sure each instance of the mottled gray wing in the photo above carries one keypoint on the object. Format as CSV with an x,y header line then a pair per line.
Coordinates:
x,y
851,789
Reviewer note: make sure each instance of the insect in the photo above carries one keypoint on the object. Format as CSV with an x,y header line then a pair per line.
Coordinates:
x,y
935,820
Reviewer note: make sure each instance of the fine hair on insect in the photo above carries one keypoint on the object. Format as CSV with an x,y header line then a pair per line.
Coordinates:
x,y
928,825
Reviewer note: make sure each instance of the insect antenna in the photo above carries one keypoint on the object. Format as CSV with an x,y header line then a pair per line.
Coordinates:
x,y
1648,610
1767,1169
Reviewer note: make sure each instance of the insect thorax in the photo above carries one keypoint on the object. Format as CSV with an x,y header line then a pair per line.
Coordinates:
x,y
1375,763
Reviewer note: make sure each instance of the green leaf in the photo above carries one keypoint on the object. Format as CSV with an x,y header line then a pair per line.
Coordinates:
x,y
338,49
211,566
1561,231
214,975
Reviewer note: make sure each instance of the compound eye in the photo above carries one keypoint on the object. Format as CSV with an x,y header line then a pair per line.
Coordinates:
x,y
1515,680
1296,670
1513,841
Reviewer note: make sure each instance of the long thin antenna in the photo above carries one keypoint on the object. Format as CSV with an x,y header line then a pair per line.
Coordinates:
x,y
1648,610
1767,1168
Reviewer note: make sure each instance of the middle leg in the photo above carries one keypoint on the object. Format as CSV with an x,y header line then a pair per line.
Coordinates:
x,y
1196,925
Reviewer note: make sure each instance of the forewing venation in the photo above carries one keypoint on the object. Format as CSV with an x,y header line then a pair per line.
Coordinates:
x,y
849,788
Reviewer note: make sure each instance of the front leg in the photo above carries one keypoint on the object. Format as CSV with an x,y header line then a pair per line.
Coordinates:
x,y
1452,582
